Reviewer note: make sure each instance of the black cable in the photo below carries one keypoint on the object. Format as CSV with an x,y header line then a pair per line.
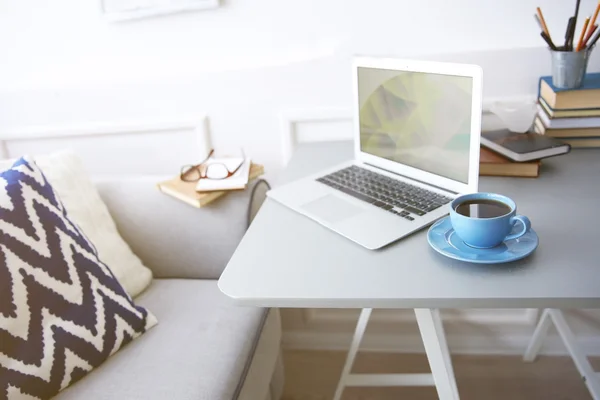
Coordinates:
x,y
250,203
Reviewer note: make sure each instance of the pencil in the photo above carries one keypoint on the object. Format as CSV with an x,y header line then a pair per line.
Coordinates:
x,y
589,35
537,19
595,39
593,20
543,21
582,35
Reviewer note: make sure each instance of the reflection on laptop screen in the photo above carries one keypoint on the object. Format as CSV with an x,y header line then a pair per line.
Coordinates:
x,y
422,120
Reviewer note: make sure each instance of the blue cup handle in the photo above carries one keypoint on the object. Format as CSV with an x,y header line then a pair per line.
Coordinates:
x,y
526,226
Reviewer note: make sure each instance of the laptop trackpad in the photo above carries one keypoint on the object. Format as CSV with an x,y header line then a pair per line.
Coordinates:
x,y
331,208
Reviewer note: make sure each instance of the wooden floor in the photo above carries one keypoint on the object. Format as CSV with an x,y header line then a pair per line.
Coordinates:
x,y
313,375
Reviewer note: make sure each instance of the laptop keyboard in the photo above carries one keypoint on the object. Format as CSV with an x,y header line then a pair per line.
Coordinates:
x,y
400,198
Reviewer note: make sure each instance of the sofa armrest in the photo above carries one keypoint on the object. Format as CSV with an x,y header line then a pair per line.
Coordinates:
x,y
173,239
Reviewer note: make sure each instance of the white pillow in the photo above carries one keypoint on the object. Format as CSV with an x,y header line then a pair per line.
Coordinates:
x,y
67,175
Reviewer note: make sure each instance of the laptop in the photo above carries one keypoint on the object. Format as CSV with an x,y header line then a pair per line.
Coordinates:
x,y
417,129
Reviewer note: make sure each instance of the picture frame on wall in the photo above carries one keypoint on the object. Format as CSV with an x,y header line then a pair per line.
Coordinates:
x,y
126,10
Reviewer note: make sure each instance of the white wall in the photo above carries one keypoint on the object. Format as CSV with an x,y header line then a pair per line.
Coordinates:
x,y
149,95
67,42
246,63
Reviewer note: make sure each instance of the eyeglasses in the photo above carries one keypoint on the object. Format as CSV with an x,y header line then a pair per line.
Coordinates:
x,y
214,170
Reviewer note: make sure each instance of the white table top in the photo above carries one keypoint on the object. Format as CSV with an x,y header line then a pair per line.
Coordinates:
x,y
287,260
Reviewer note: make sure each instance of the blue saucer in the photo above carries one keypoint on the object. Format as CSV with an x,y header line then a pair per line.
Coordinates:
x,y
444,240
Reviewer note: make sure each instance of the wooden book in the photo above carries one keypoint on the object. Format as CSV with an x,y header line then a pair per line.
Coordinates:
x,y
186,191
494,164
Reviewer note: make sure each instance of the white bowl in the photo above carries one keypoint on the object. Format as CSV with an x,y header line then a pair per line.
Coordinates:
x,y
518,116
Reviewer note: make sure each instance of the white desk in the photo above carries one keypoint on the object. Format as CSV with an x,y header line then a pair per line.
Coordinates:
x,y
287,260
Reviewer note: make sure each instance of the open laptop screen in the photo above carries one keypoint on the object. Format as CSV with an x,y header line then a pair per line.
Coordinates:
x,y
418,119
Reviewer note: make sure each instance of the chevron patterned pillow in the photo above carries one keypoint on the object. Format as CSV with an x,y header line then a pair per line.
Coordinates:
x,y
62,312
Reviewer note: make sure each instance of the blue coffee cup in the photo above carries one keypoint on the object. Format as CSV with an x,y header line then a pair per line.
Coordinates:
x,y
487,232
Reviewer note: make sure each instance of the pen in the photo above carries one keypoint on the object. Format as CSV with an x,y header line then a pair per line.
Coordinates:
x,y
568,34
548,40
572,33
577,4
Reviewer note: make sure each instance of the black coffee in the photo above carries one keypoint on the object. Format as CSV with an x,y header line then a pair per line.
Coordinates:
x,y
482,208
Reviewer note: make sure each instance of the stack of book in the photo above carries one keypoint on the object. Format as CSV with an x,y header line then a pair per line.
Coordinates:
x,y
507,153
571,115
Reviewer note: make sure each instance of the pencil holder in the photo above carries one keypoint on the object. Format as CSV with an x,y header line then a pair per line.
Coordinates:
x,y
569,67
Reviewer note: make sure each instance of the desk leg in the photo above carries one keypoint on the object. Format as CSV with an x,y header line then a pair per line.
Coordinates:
x,y
434,339
358,335
538,337
584,367
436,347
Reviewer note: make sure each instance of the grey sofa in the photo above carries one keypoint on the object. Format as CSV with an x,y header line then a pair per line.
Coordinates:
x,y
203,347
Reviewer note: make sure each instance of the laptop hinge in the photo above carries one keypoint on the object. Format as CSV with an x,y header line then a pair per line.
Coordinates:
x,y
411,179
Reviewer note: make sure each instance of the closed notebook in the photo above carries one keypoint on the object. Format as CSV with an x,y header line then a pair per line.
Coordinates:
x,y
523,147
493,164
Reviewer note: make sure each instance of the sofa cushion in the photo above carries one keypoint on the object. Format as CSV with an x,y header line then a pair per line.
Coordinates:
x,y
67,175
170,241
62,312
199,351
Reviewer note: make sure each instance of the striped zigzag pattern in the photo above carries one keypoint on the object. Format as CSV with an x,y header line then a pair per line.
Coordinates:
x,y
62,312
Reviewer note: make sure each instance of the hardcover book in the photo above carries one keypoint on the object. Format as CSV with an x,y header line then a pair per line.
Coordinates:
x,y
540,128
493,164
567,123
568,113
587,96
580,143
